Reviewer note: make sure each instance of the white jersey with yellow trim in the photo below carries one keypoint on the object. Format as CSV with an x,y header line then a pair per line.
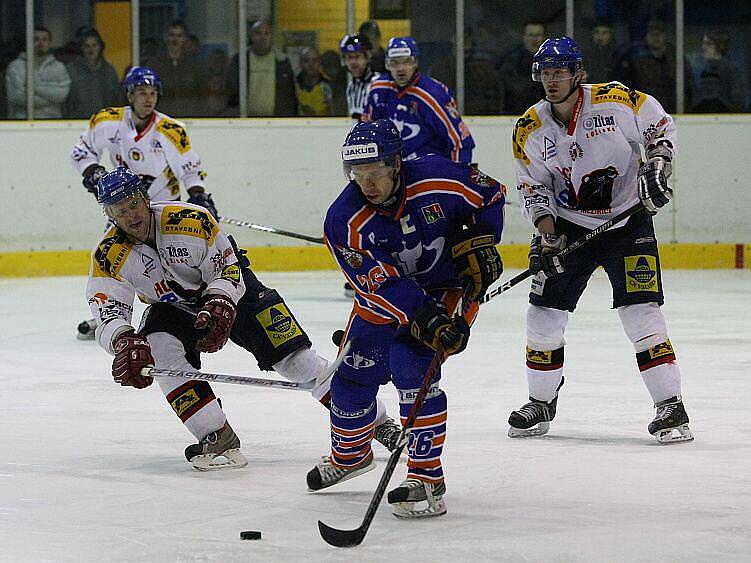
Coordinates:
x,y
586,172
161,154
193,257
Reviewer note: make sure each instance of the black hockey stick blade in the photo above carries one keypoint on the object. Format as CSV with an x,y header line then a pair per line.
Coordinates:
x,y
341,538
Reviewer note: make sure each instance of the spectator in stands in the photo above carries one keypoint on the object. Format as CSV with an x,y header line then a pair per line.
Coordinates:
x,y
314,94
649,65
331,65
93,80
271,82
718,85
51,81
182,74
377,55
517,90
601,55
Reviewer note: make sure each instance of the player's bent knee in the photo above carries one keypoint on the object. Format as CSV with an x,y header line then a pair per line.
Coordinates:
x,y
545,328
644,324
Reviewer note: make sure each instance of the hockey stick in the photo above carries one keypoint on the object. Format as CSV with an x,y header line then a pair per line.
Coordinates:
x,y
254,381
573,247
267,229
352,538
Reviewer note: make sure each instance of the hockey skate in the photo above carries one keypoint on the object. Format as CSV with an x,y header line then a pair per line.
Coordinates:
x,y
218,450
418,499
533,419
326,474
388,433
671,422
86,329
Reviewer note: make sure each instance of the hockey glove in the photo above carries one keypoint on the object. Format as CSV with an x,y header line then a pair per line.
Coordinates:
x,y
543,252
132,354
477,260
204,200
654,191
434,328
216,318
91,178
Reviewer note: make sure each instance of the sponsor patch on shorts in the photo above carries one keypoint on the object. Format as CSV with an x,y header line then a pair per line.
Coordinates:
x,y
641,274
278,324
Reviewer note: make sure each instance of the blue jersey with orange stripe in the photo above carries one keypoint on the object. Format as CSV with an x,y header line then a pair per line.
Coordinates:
x,y
394,257
425,113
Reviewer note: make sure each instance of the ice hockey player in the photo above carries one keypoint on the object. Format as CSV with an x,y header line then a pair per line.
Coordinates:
x,y
578,163
201,292
423,109
355,51
151,144
407,235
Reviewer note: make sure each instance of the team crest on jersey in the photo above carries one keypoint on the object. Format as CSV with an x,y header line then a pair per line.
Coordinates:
x,y
650,133
479,178
111,254
135,154
409,258
575,151
618,93
106,114
178,220
175,133
278,324
432,213
354,259
641,273
597,124
525,125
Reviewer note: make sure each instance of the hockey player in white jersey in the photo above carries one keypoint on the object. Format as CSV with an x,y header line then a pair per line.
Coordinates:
x,y
578,161
200,292
150,143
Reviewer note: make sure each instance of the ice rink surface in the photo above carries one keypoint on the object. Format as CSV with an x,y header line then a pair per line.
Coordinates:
x,y
90,471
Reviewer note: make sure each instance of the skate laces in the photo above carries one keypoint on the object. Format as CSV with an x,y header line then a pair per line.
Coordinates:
x,y
531,410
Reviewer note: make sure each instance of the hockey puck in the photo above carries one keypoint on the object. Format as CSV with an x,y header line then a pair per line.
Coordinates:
x,y
250,535
337,337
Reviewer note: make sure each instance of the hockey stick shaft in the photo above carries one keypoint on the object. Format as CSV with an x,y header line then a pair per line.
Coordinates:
x,y
268,229
351,538
573,247
226,378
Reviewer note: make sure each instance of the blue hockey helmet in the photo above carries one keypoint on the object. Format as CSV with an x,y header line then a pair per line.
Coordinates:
x,y
142,76
402,47
117,185
354,44
374,141
557,52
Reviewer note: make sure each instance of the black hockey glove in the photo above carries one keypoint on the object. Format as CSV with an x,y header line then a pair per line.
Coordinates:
x,y
477,260
543,252
654,191
434,328
91,178
204,200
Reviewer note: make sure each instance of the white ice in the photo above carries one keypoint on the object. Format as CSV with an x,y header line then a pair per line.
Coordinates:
x,y
90,471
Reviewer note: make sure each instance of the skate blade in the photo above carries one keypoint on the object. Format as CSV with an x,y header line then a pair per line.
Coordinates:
x,y
540,430
673,435
407,511
230,459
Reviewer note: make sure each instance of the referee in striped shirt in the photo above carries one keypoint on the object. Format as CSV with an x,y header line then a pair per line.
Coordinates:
x,y
355,50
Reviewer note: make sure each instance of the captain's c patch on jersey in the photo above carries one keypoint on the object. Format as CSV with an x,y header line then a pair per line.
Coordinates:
x,y
641,273
179,220
525,125
278,324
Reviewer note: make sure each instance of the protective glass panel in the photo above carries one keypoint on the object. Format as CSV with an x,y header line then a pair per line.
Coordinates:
x,y
632,42
191,46
717,45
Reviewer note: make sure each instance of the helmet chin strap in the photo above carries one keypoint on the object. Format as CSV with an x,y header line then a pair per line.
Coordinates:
x,y
394,195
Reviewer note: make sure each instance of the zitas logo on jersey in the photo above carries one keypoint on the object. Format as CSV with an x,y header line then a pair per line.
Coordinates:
x,y
279,325
641,274
433,213
598,125
356,152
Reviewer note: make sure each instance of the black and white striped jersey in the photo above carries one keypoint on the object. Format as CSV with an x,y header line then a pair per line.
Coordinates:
x,y
357,93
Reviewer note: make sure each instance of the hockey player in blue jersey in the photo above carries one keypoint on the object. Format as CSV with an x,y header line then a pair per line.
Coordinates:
x,y
423,109
408,235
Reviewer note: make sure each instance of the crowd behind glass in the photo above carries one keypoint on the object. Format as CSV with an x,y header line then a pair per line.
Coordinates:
x,y
630,42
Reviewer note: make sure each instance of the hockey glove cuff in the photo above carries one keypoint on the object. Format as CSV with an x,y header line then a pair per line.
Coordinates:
x,y
204,200
543,256
477,260
654,191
